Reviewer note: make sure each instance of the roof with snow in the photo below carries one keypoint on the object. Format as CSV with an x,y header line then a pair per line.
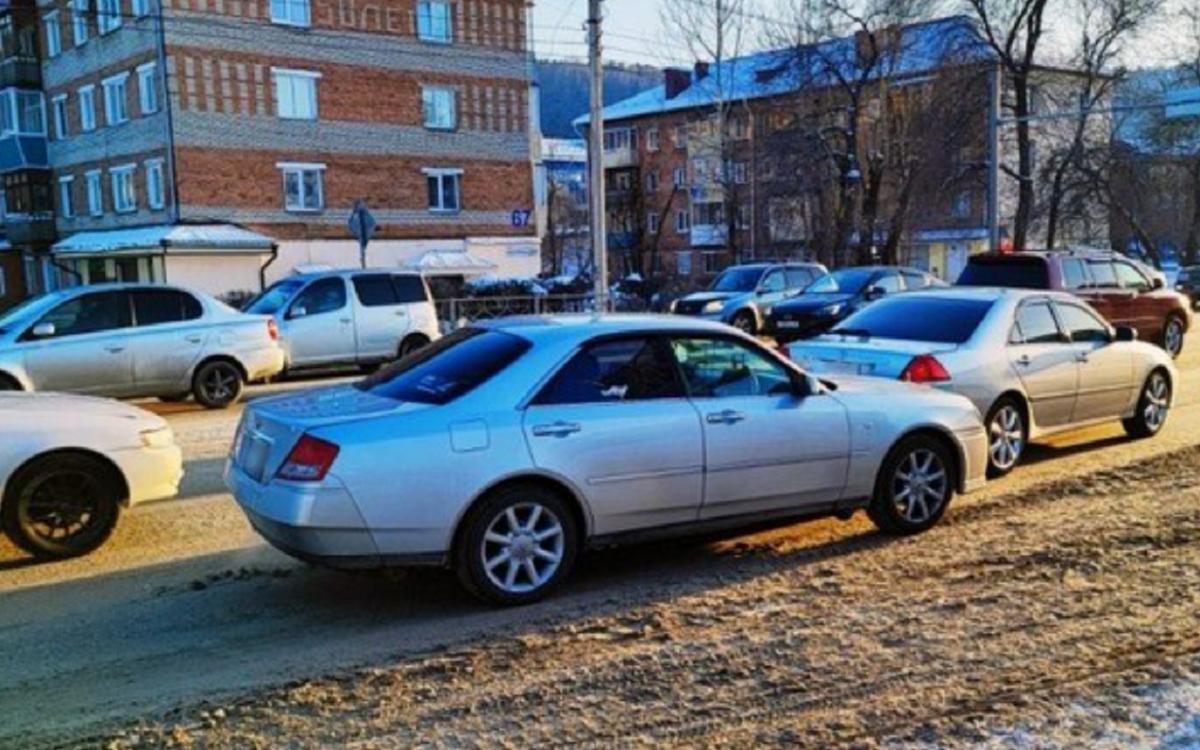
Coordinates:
x,y
216,237
922,47
450,262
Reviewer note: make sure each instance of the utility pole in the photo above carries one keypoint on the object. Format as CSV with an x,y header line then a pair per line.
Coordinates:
x,y
596,205
996,90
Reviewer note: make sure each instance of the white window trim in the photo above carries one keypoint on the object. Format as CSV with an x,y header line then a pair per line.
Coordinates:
x,y
60,126
438,88
303,166
50,21
288,21
143,5
446,172
79,9
94,177
295,73
147,72
69,211
107,23
160,201
90,90
114,172
119,78
449,38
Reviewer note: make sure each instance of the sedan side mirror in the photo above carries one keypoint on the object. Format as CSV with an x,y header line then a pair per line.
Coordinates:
x,y
1126,333
298,311
1157,283
875,293
44,330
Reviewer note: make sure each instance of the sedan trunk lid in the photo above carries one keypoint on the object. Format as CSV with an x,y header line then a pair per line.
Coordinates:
x,y
845,355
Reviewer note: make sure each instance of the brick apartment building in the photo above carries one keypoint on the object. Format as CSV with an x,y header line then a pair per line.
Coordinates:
x,y
223,142
728,163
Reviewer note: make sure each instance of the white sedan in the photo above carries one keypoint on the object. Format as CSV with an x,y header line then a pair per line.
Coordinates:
x,y
70,464
504,449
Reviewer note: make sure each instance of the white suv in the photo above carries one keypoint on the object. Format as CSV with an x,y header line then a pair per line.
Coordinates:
x,y
353,317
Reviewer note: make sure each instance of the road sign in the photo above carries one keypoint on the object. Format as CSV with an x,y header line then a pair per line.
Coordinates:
x,y
362,226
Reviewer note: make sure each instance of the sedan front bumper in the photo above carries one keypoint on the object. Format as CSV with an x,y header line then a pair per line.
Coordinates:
x,y
150,473
974,449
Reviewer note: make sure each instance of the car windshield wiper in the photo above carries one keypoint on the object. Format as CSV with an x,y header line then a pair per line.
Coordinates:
x,y
861,333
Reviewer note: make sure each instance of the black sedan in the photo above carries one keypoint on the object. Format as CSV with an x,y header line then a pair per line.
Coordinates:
x,y
833,297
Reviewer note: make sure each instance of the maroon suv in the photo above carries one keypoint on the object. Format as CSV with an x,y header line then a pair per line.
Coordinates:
x,y
1120,289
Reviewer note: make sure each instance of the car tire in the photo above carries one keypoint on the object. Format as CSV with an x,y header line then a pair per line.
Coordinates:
x,y
745,322
1172,336
1008,436
217,384
9,383
175,398
512,529
1153,405
411,344
61,505
918,464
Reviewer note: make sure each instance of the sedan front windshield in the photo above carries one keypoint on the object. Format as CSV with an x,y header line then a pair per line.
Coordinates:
x,y
274,298
844,281
737,280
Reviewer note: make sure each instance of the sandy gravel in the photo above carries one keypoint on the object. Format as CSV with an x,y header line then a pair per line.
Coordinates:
x,y
1055,609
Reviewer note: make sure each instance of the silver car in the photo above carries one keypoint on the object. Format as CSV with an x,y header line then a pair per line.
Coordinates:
x,y
129,340
1033,362
353,317
506,448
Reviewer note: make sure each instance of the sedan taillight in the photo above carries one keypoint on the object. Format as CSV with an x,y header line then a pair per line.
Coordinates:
x,y
272,329
309,460
924,368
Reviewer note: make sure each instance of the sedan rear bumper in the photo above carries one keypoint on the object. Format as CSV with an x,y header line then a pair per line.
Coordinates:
x,y
263,363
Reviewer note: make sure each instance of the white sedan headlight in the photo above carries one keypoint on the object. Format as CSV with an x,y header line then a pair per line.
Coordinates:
x,y
715,306
160,437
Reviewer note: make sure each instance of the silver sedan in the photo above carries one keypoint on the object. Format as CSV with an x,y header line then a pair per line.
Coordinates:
x,y
1033,362
505,449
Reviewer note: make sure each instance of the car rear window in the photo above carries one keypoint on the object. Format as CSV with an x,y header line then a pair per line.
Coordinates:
x,y
449,368
914,318
1010,272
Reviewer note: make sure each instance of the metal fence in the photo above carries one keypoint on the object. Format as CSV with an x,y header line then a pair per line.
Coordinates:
x,y
453,312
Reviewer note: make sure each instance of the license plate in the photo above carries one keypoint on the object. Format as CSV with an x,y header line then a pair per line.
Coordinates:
x,y
844,368
252,454
789,324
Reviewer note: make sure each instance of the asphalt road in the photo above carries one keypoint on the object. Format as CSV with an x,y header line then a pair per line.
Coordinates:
x,y
187,606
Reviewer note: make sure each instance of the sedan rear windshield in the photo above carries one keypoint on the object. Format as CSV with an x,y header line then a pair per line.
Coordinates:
x,y
1011,273
276,296
448,368
914,318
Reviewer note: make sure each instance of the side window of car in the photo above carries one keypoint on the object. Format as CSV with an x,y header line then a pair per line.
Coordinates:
x,y
1074,273
375,290
1081,325
321,296
624,370
158,306
1103,275
774,282
915,280
798,278
1036,325
723,368
1131,278
89,313
409,289
889,282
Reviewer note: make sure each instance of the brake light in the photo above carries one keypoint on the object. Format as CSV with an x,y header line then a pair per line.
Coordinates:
x,y
924,368
272,329
309,460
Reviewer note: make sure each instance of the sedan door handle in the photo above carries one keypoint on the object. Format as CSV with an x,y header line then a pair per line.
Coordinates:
x,y
344,320
558,429
114,349
1024,360
1081,357
729,416
194,339
401,313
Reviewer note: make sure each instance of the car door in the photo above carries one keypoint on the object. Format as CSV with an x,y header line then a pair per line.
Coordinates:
x,y
1105,294
88,350
1143,310
167,338
614,422
380,321
413,296
773,287
318,325
1045,362
1105,367
765,447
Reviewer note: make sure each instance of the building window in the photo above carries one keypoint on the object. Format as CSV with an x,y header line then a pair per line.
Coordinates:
x,y
433,21
623,181
679,177
736,172
108,15
712,262
116,102
743,216
59,108
66,206
680,136
141,8
124,198
147,89
154,184
79,25
53,34
440,109
445,189
683,221
94,196
295,94
683,263
21,112
619,139
302,186
87,108
652,223
652,139
739,128
708,214
651,182
290,12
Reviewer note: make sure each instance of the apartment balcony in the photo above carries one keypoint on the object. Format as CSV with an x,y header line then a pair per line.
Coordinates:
x,y
22,151
21,72
620,158
709,235
30,229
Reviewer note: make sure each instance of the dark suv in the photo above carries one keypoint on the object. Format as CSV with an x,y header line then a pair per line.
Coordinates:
x,y
1121,289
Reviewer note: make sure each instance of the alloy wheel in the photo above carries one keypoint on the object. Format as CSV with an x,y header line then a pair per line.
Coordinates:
x,y
1006,437
1173,337
920,486
220,384
62,506
523,547
1157,402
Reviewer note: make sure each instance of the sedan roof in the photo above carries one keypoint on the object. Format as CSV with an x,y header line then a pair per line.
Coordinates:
x,y
587,325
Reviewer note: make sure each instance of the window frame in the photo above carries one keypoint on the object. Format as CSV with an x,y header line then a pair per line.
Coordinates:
x,y
108,16
289,77
425,32
140,8
66,196
431,96
94,188
58,112
80,33
299,169
148,88
1148,283
87,94
155,199
289,17
182,298
1066,331
1018,339
121,183
52,28
119,81
440,174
